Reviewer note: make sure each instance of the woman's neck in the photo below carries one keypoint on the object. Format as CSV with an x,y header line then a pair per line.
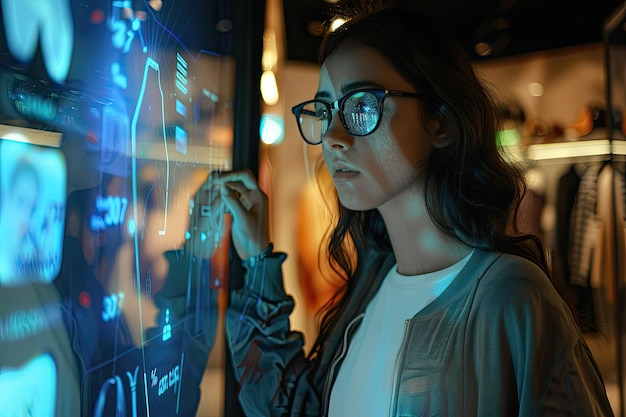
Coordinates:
x,y
418,244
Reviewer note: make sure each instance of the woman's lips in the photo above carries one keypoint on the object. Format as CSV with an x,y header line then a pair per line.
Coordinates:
x,y
345,175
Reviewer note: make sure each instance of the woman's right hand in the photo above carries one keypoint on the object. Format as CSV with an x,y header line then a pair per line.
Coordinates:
x,y
249,207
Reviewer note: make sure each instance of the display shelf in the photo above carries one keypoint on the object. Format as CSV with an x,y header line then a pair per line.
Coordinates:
x,y
574,149
29,135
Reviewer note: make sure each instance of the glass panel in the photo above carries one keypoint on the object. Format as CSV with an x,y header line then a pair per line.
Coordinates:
x,y
112,283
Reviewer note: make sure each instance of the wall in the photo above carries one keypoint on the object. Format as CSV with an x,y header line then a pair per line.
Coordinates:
x,y
571,79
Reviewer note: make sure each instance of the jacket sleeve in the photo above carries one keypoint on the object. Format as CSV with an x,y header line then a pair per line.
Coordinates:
x,y
268,358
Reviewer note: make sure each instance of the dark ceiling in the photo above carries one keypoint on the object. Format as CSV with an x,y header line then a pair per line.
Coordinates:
x,y
508,27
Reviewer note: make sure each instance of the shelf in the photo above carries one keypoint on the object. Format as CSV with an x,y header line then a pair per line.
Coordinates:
x,y
29,135
572,149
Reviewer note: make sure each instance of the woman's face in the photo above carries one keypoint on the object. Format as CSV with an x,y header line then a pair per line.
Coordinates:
x,y
371,171
23,201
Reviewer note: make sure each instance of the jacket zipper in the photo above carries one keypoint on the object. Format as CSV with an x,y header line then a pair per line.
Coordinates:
x,y
329,380
395,370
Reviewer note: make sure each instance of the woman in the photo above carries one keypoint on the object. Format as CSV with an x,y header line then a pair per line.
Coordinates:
x,y
446,309
16,215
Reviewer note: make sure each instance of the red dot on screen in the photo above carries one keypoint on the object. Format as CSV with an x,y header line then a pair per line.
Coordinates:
x,y
97,16
92,138
84,299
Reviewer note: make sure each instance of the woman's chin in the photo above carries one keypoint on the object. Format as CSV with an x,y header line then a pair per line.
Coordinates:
x,y
355,204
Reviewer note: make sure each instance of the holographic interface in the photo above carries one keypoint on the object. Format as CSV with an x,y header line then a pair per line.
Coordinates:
x,y
112,115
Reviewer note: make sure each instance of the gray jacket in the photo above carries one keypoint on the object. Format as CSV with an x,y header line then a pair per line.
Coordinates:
x,y
498,342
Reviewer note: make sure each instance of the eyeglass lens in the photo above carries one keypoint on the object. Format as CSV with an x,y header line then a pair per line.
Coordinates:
x,y
359,111
314,119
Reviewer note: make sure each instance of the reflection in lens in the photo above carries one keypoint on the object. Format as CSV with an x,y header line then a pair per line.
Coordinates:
x,y
363,123
360,113
313,130
313,122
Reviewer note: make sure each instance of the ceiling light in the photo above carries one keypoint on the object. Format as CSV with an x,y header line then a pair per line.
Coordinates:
x,y
270,52
535,89
269,88
483,48
271,129
336,23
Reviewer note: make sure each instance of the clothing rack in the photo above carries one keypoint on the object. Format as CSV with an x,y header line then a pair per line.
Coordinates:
x,y
549,157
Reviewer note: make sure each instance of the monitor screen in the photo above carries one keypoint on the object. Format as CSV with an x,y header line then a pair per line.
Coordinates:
x,y
113,262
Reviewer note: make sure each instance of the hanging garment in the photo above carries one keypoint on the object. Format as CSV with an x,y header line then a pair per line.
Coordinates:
x,y
583,225
604,260
566,195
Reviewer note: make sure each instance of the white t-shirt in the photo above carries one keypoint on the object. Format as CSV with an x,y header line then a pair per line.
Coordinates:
x,y
364,382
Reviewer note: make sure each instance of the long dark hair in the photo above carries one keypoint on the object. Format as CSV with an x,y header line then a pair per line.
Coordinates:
x,y
471,191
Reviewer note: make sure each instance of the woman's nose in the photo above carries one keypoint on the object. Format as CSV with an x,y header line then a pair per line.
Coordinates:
x,y
336,136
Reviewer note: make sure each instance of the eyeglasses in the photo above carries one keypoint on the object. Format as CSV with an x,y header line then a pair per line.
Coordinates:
x,y
360,112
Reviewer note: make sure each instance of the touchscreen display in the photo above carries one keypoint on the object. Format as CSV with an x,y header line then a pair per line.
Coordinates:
x,y
112,278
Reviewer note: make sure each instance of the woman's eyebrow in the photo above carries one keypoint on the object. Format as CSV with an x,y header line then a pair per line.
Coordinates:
x,y
346,88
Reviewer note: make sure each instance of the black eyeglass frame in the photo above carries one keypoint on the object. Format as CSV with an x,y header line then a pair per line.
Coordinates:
x,y
380,93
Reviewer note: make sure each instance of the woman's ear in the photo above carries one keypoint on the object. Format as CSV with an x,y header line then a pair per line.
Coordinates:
x,y
440,132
